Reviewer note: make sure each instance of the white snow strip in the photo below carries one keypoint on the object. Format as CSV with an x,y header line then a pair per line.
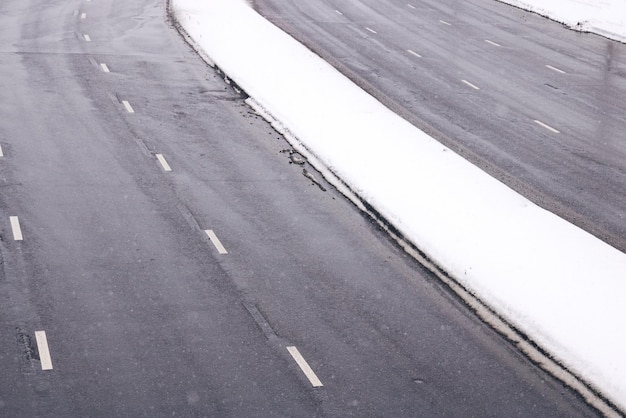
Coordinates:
x,y
163,162
470,84
371,30
548,127
554,282
104,68
44,351
445,23
604,17
304,366
216,242
556,69
87,38
17,229
492,42
128,107
414,53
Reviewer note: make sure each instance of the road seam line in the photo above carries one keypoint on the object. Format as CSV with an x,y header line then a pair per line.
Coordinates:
x,y
548,127
304,366
216,242
164,163
44,351
17,230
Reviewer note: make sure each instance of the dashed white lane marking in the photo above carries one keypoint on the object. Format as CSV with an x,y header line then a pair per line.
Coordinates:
x,y
17,230
411,6
104,68
44,351
83,15
87,38
164,163
371,30
556,69
218,245
128,107
471,85
492,42
1,152
304,366
445,23
414,53
550,128
338,12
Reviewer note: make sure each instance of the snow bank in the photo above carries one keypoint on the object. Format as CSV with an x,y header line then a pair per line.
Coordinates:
x,y
605,17
555,282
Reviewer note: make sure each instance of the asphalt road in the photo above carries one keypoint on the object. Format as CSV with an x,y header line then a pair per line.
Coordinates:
x,y
120,149
495,84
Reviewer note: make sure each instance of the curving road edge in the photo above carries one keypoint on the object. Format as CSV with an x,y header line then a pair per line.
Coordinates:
x,y
556,285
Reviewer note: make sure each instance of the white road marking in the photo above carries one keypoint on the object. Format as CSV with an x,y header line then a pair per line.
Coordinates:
x,y
218,245
164,163
44,351
414,53
371,30
445,23
304,366
471,85
17,230
411,6
492,42
87,38
83,16
546,126
128,107
338,12
1,152
104,68
556,69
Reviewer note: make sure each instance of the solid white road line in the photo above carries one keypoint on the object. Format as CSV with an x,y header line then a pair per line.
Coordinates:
x,y
305,367
492,43
371,30
87,38
104,68
470,84
445,23
556,69
218,245
338,12
128,107
547,126
17,230
414,53
164,163
83,16
411,6
44,352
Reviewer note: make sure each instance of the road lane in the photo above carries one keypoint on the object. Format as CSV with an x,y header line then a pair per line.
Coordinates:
x,y
147,319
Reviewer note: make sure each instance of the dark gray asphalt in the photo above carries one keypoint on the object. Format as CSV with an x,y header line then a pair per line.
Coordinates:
x,y
579,174
143,316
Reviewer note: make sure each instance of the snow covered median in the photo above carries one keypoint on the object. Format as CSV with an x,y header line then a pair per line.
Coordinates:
x,y
553,281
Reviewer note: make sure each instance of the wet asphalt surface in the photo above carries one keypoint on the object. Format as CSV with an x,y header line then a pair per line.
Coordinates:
x,y
144,315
